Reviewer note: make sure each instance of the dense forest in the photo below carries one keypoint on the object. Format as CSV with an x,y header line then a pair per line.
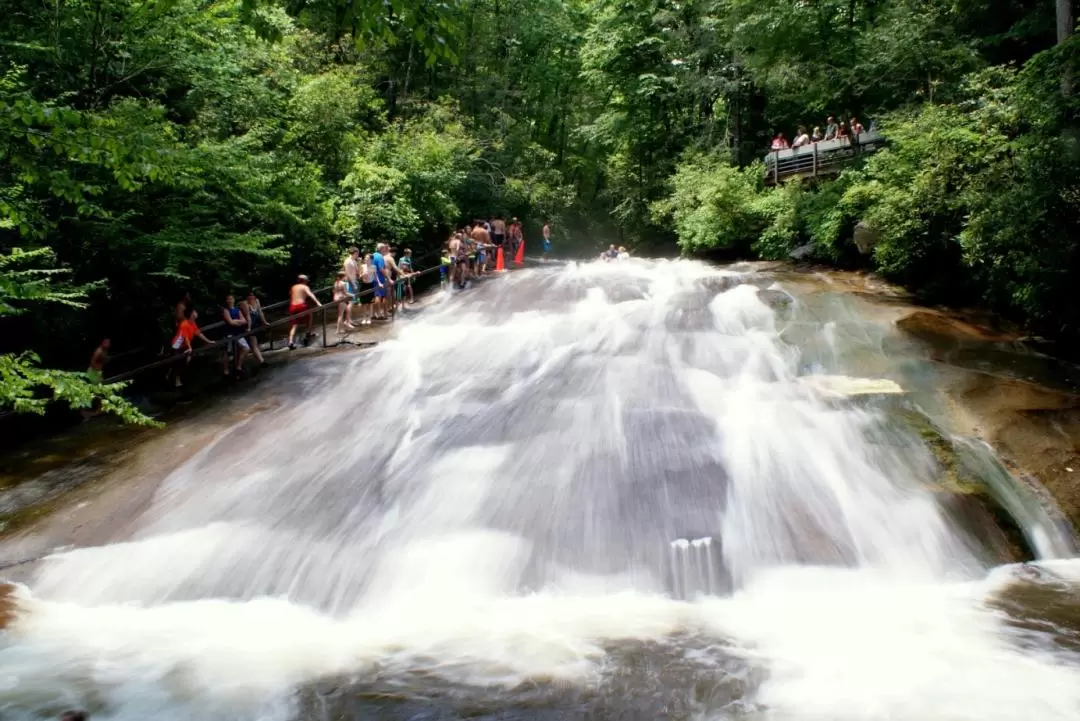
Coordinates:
x,y
154,147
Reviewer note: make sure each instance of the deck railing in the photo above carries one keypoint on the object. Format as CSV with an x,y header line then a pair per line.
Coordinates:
x,y
825,157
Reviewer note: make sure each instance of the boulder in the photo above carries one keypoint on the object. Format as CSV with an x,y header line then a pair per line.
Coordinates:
x,y
865,238
8,604
775,299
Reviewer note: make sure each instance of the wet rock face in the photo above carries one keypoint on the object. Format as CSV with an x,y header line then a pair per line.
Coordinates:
x,y
8,605
987,525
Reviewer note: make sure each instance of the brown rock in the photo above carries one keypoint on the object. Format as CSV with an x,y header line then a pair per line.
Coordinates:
x,y
8,605
987,525
935,326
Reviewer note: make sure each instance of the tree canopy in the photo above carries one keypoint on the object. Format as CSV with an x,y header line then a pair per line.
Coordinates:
x,y
153,147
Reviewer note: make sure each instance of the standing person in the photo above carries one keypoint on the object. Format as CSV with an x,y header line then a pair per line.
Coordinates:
x,y
367,287
96,370
394,273
378,262
547,238
444,267
235,325
801,138
465,257
299,295
343,296
406,266
456,248
515,237
181,344
831,129
856,127
482,239
253,311
498,232
352,279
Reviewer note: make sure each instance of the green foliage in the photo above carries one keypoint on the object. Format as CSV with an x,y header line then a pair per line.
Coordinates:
x,y
25,387
153,148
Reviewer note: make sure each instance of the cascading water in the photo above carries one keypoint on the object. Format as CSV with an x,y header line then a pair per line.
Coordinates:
x,y
606,481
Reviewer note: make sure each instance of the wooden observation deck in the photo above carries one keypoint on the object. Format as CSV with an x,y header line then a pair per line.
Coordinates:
x,y
825,157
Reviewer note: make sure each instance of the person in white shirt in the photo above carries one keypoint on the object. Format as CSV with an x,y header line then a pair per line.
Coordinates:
x,y
801,138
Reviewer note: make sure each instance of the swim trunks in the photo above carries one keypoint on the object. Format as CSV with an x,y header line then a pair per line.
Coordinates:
x,y
380,291
295,308
547,246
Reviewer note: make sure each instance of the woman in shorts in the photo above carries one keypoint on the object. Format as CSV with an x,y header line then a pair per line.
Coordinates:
x,y
367,288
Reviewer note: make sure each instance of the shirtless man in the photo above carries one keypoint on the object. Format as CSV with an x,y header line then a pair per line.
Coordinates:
x,y
547,239
299,295
515,237
352,284
455,250
482,239
498,232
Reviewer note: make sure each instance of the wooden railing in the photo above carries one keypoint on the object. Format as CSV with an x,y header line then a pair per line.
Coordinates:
x,y
826,157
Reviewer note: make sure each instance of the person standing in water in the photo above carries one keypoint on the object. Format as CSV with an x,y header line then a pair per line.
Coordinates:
x,y
498,232
547,239
343,297
482,239
299,295
515,237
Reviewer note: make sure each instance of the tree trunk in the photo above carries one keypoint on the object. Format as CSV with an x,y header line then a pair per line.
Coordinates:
x,y
1065,27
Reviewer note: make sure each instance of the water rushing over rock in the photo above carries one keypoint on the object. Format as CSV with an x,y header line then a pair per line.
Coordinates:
x,y
548,480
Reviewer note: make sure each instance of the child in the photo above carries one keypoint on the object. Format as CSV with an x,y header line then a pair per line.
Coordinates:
x,y
407,270
444,267
343,297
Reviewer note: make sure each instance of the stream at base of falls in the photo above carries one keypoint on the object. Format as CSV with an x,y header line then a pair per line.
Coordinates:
x,y
634,490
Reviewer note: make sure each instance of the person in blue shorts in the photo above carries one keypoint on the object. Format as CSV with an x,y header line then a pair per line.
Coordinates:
x,y
547,239
382,280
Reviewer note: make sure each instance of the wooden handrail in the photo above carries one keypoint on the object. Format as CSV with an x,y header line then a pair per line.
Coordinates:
x,y
265,327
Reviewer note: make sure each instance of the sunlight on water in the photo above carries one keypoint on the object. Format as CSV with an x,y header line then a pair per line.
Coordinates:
x,y
530,474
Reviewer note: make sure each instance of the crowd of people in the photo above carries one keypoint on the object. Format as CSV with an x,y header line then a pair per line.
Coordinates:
x,y
833,131
367,288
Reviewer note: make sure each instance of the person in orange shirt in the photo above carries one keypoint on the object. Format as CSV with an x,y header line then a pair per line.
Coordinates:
x,y
181,343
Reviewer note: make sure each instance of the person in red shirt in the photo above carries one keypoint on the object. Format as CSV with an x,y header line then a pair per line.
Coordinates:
x,y
181,343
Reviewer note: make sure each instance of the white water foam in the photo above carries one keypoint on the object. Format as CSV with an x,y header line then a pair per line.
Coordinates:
x,y
506,516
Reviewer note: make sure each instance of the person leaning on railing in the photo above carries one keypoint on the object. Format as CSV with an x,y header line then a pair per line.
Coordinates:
x,y
181,344
253,311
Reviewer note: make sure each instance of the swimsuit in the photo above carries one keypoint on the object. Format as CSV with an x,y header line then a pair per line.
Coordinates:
x,y
235,314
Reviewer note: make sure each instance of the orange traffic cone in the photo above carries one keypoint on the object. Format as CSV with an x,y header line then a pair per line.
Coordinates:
x,y
520,257
499,264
